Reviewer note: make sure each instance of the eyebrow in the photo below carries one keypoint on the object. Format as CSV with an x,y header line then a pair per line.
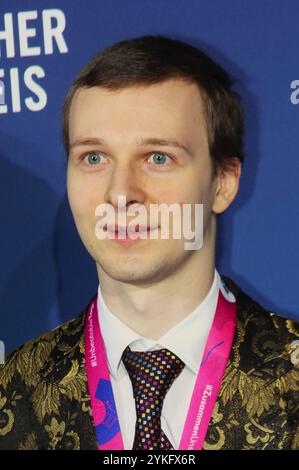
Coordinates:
x,y
140,142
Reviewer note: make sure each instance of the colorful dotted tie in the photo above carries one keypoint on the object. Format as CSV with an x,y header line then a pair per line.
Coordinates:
x,y
151,374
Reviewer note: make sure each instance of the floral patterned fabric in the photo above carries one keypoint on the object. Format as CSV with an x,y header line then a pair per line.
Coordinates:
x,y
44,400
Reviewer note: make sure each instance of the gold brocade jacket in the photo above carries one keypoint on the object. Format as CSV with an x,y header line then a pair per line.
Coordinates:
x,y
45,404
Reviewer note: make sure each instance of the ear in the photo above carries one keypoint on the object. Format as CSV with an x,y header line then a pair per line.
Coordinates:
x,y
227,185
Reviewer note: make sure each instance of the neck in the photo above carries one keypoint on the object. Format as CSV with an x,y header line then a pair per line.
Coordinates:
x,y
151,312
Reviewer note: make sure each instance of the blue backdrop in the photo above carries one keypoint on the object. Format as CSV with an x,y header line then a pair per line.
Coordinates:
x,y
46,275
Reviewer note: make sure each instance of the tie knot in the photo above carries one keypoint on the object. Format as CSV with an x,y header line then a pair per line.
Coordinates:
x,y
152,372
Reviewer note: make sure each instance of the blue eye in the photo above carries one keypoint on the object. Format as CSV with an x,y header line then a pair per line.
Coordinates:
x,y
93,158
160,157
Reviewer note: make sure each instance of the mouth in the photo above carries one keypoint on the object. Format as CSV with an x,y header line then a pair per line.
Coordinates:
x,y
121,234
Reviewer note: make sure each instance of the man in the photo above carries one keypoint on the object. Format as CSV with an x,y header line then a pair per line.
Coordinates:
x,y
154,121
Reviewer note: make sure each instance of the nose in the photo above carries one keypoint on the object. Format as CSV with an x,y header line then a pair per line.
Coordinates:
x,y
124,182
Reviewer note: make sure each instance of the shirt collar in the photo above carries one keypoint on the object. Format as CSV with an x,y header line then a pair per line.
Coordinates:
x,y
186,339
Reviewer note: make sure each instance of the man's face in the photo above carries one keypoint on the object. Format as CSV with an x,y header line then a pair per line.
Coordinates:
x,y
111,155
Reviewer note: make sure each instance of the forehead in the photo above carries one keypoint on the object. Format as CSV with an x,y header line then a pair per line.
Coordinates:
x,y
173,106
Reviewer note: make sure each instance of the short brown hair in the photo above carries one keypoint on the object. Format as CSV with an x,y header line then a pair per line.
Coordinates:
x,y
152,59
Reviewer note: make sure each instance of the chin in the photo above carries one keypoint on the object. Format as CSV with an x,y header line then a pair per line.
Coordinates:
x,y
132,273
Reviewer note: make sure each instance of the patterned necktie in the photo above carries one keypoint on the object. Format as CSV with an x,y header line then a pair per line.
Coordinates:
x,y
151,374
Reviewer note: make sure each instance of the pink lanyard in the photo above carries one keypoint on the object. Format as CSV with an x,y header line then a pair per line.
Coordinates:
x,y
205,391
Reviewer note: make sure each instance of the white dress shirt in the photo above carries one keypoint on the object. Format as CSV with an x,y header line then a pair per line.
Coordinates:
x,y
187,339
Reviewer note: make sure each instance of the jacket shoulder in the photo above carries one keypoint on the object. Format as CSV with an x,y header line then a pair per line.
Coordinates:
x,y
28,360
269,335
44,401
259,390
